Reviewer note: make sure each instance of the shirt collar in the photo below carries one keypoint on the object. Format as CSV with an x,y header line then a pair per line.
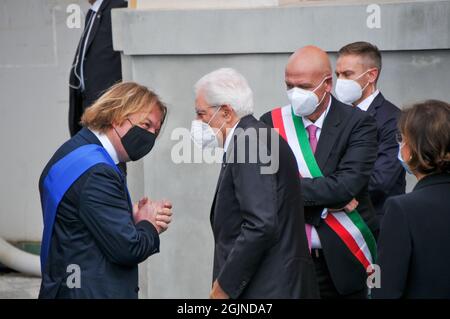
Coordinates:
x,y
229,136
320,120
96,5
365,104
106,143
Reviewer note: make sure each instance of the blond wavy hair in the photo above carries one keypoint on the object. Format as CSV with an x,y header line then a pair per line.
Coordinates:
x,y
118,103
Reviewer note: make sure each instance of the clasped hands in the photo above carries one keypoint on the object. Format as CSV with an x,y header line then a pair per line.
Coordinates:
x,y
158,213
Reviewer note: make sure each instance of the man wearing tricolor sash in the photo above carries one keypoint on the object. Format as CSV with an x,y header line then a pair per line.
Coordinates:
x,y
335,147
94,237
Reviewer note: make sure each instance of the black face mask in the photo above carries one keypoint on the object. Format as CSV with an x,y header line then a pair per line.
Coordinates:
x,y
137,142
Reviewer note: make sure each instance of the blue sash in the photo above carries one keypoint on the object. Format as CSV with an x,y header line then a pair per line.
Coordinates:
x,y
59,179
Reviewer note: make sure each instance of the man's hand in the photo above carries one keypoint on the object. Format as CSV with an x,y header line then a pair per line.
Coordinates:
x,y
157,213
217,292
351,206
163,215
348,208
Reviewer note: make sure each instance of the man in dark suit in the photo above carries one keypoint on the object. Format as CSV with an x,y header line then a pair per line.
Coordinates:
x,y
342,148
257,214
96,65
358,69
94,238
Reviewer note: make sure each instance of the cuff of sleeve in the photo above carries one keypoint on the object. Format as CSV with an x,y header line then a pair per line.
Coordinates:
x,y
151,231
232,286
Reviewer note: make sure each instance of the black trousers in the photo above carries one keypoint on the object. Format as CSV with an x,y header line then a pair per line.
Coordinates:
x,y
326,285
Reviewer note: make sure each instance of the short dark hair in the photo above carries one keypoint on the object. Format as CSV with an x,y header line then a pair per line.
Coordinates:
x,y
364,49
426,128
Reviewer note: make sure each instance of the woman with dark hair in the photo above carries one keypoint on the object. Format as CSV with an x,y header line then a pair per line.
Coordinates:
x,y
413,246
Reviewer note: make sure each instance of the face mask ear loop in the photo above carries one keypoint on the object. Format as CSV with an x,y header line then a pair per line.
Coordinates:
x,y
118,132
323,97
214,115
223,124
120,137
130,122
362,90
362,74
220,128
323,81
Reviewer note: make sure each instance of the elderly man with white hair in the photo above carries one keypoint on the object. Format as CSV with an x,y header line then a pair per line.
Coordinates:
x,y
257,217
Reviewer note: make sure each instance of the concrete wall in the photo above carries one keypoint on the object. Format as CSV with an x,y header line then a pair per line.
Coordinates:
x,y
170,50
200,4
36,52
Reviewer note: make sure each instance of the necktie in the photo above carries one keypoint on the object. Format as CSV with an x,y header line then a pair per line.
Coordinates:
x,y
88,18
83,43
312,131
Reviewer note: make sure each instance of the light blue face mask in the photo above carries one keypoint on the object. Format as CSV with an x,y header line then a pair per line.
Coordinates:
x,y
399,156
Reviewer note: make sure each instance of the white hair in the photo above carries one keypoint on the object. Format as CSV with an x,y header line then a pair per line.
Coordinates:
x,y
226,86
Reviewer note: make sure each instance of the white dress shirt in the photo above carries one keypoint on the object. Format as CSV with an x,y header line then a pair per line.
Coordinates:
x,y
315,240
229,136
96,5
106,143
365,104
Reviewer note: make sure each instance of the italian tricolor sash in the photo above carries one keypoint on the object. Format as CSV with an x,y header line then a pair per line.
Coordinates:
x,y
350,227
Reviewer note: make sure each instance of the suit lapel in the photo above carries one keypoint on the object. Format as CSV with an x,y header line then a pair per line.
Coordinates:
x,y
242,124
328,135
97,19
89,137
379,100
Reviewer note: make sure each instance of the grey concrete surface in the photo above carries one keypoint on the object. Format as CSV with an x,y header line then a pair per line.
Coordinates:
x,y
36,53
403,26
17,286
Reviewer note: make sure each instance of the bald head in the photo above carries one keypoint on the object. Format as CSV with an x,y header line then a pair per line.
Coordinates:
x,y
309,68
309,60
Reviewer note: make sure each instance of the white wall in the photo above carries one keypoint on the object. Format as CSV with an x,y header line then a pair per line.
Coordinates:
x,y
36,51
200,4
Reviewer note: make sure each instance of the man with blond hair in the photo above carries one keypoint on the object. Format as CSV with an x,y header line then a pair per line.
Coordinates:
x,y
94,237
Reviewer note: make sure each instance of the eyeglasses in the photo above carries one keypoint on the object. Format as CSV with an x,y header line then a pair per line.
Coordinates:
x,y
200,112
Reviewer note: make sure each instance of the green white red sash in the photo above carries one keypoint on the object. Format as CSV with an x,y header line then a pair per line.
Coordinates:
x,y
350,227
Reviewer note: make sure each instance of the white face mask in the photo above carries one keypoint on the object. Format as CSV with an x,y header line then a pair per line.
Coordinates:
x,y
304,102
203,135
349,91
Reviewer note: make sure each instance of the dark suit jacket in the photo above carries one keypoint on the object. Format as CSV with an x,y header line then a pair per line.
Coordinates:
x,y
102,66
258,224
413,251
94,229
346,153
388,177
